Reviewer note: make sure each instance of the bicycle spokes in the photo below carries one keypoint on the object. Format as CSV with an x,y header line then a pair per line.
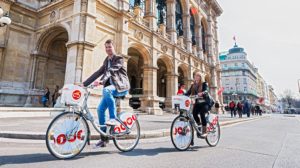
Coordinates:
x,y
66,136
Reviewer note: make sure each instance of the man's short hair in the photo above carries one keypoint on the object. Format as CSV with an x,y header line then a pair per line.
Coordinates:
x,y
109,41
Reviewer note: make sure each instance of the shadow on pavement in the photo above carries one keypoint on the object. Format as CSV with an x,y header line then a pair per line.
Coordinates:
x,y
26,158
40,157
155,151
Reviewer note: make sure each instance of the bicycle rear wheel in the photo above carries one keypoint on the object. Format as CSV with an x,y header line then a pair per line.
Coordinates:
x,y
181,133
67,135
127,142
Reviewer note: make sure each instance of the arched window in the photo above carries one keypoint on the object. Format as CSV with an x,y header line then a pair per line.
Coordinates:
x,y
140,3
178,15
192,27
161,12
203,37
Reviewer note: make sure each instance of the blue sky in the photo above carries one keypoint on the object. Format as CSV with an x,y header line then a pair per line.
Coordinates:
x,y
269,30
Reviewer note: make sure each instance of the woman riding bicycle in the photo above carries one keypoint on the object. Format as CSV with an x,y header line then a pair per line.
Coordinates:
x,y
200,107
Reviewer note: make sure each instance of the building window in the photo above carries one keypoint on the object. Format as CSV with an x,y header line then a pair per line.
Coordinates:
x,y
203,37
161,12
243,64
245,81
140,3
192,27
178,16
236,64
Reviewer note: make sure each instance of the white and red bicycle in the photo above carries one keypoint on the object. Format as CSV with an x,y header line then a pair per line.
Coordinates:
x,y
69,132
183,126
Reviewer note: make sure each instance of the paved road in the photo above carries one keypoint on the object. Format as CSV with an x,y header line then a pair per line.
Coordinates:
x,y
265,143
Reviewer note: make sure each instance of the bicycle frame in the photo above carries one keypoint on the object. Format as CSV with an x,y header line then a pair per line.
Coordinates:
x,y
87,115
189,114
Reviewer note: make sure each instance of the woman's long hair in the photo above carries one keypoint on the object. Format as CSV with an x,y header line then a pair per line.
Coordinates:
x,y
199,84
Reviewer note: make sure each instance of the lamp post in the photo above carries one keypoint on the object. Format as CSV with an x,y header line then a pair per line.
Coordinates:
x,y
299,85
4,18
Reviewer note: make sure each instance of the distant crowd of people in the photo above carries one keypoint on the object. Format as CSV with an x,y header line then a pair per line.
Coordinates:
x,y
46,97
243,107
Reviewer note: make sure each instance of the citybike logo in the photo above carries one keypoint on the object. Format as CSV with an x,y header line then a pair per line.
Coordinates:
x,y
212,124
179,130
62,139
187,103
76,94
128,122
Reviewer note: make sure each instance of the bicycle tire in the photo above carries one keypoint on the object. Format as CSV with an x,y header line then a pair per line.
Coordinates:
x,y
48,136
119,147
172,132
218,139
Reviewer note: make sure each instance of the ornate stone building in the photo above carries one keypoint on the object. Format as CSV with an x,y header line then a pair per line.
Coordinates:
x,y
53,42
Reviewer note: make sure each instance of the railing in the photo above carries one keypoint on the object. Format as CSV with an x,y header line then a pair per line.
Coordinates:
x,y
46,2
145,23
168,36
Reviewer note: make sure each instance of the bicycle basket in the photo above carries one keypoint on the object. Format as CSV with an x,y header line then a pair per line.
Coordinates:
x,y
72,95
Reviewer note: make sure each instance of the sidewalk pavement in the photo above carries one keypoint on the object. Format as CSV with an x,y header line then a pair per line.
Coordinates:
x,y
35,126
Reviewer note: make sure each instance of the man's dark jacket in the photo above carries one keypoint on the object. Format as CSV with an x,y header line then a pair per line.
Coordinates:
x,y
116,72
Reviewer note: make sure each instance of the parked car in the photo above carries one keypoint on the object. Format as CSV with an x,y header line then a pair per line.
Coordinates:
x,y
135,101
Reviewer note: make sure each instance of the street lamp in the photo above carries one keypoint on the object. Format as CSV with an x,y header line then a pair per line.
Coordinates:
x,y
299,85
4,18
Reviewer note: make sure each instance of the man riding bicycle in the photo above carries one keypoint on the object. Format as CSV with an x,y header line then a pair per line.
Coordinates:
x,y
116,83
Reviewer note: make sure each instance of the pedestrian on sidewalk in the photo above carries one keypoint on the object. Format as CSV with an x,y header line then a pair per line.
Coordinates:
x,y
246,108
45,97
55,95
181,90
239,109
257,109
252,109
232,108
217,107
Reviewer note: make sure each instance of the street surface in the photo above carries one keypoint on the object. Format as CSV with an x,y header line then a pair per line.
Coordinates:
x,y
272,142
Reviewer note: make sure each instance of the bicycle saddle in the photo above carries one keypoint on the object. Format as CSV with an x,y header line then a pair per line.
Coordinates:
x,y
119,97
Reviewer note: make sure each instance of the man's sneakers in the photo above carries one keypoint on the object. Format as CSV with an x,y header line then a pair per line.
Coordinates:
x,y
100,144
112,122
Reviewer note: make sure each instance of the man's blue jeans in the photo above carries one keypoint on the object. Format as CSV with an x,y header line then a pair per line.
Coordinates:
x,y
108,101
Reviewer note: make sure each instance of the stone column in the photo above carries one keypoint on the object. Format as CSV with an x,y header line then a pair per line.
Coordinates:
x,y
171,20
150,14
187,31
31,80
122,49
5,5
150,100
172,82
198,37
82,40
210,39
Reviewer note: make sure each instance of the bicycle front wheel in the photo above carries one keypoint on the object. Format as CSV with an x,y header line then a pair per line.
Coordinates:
x,y
127,142
181,133
67,135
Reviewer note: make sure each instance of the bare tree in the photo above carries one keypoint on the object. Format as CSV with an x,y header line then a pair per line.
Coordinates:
x,y
288,97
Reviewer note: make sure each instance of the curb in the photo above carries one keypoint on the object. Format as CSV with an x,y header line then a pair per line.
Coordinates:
x,y
144,134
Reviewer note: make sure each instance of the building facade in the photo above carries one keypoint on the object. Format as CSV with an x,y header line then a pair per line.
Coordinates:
x,y
238,75
57,42
241,80
274,103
